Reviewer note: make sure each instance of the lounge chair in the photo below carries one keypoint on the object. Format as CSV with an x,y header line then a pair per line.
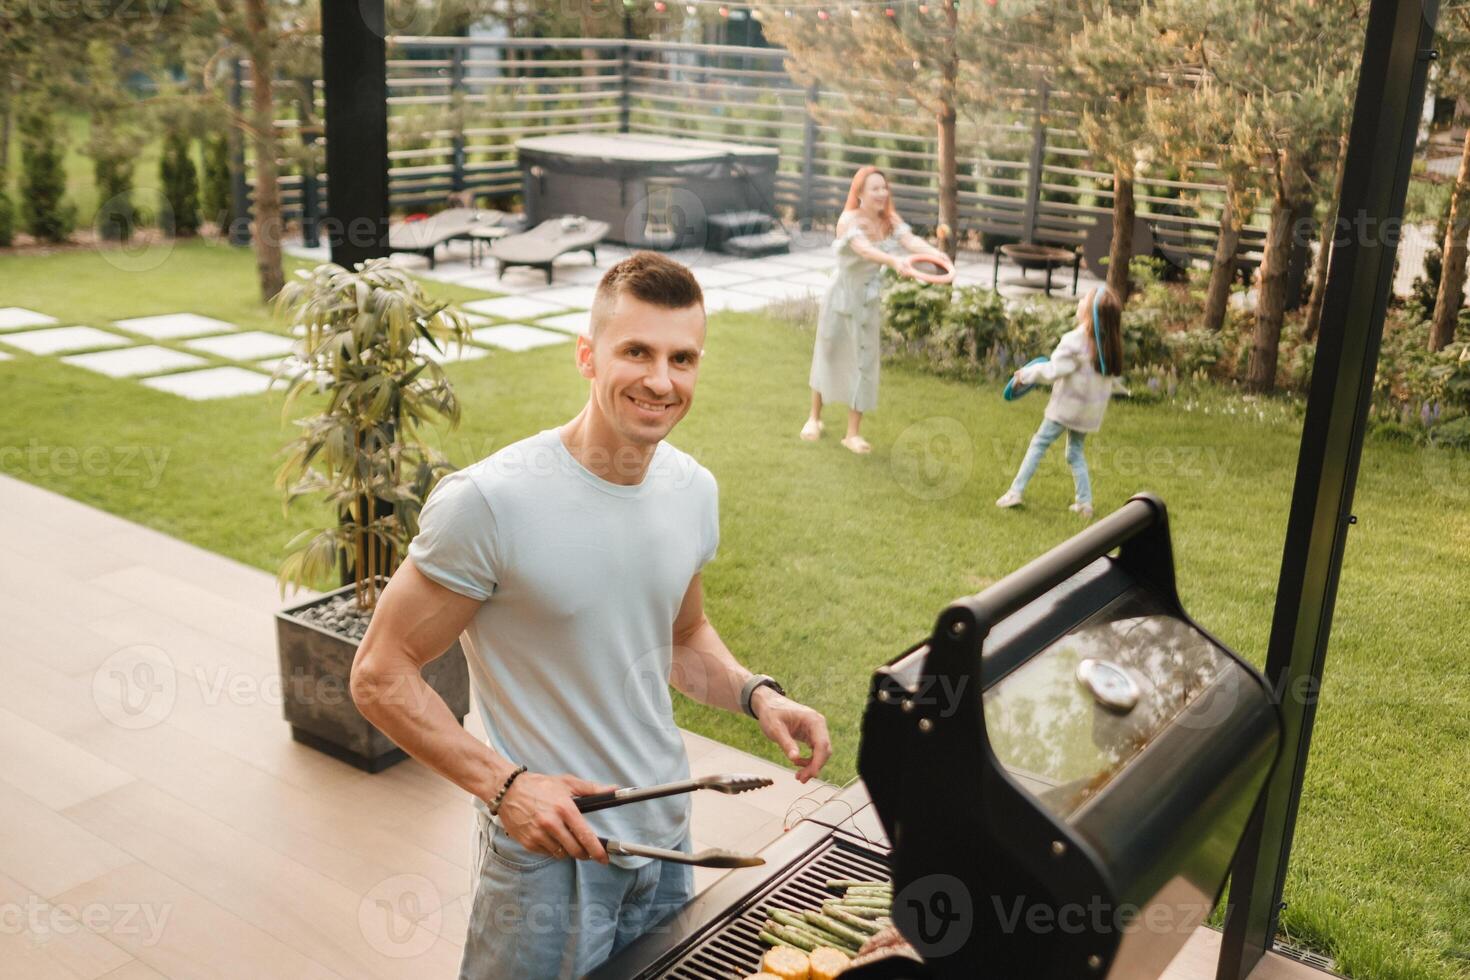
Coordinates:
x,y
424,235
542,245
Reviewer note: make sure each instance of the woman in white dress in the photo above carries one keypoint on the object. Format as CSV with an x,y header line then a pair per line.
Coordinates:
x,y
870,235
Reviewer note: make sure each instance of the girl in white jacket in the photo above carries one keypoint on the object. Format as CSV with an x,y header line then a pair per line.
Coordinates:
x,y
1081,372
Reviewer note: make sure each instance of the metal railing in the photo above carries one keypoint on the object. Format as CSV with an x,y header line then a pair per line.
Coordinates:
x,y
457,106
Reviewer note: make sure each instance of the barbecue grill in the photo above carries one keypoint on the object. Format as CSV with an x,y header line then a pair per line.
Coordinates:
x,y
1055,782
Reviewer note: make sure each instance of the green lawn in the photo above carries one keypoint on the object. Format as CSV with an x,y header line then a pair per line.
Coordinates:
x,y
830,564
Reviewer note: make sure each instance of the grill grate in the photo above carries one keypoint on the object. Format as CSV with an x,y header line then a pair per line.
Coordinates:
x,y
734,951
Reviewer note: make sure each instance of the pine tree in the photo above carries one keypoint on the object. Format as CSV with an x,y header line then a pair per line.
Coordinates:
x,y
180,184
1453,44
893,71
44,212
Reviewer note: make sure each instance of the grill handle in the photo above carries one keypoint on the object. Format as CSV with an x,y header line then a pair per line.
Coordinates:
x,y
1141,524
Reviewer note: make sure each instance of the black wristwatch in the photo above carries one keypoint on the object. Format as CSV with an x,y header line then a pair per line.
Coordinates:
x,y
756,682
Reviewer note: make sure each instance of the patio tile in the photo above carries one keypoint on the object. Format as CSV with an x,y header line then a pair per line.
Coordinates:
x,y
249,346
452,352
134,360
776,288
514,307
15,317
576,297
816,258
4,356
510,285
220,382
716,300
812,277
61,339
518,336
762,268
717,276
579,322
171,325
579,275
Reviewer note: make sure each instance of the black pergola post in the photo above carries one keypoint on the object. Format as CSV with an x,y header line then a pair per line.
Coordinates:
x,y
1396,56
355,76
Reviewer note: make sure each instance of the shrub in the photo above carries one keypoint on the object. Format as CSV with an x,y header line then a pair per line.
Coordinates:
x,y
7,219
180,184
43,210
1196,353
914,309
218,197
1454,434
116,217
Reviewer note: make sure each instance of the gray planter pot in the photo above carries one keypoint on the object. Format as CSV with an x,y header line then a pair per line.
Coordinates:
x,y
316,671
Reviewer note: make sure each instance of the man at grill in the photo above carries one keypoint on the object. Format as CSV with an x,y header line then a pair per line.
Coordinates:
x,y
570,562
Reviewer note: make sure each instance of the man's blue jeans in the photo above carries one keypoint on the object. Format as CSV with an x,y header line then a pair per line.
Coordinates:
x,y
544,917
1046,435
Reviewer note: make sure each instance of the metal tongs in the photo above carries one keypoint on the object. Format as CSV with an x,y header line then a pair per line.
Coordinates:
x,y
729,783
710,857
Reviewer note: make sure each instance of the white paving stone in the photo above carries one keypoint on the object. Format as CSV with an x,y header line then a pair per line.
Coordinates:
x,y
511,285
451,353
776,288
518,336
575,297
15,317
716,300
220,382
813,278
249,346
579,275
762,268
574,323
171,325
4,356
60,339
514,307
717,277
816,258
132,361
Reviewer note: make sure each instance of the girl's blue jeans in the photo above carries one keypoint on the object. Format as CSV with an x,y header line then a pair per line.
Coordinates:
x,y
1046,435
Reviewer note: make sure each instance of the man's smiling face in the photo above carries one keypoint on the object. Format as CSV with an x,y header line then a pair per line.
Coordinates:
x,y
643,363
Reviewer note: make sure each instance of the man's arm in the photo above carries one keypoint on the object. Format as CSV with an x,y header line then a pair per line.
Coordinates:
x,y
415,621
705,670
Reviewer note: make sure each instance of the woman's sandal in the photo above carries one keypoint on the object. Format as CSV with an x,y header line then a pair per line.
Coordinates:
x,y
857,444
812,431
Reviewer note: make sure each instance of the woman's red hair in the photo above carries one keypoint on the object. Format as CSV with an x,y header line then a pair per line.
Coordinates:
x,y
890,216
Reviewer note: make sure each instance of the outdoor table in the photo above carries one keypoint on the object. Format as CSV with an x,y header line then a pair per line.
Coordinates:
x,y
1030,256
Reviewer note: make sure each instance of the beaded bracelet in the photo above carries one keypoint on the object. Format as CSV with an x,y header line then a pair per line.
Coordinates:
x,y
505,788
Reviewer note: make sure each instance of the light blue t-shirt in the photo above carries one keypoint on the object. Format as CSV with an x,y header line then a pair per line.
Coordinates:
x,y
570,653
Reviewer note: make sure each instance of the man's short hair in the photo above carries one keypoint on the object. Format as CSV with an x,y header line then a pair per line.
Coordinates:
x,y
653,278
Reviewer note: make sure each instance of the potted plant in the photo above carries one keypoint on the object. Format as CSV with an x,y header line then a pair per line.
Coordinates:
x,y
363,354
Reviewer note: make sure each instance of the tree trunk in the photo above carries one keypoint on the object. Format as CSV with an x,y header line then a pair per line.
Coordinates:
x,y
1324,250
1222,268
949,213
1271,298
268,226
1121,250
1451,294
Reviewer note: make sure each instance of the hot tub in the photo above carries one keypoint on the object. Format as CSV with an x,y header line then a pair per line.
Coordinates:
x,y
653,191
